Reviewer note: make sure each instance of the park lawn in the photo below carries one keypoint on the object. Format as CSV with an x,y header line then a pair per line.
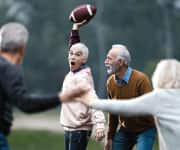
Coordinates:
x,y
44,140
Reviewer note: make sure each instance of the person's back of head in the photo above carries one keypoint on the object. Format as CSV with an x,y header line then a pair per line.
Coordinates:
x,y
167,74
13,36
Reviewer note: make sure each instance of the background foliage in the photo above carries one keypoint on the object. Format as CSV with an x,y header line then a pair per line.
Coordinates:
x,y
149,28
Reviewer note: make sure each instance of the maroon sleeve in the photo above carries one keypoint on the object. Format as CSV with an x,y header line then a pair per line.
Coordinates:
x,y
74,38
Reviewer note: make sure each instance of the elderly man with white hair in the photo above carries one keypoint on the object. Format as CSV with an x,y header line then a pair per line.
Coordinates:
x,y
14,37
125,82
163,103
76,118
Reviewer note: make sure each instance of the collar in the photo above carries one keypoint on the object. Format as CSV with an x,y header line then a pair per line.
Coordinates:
x,y
125,78
83,66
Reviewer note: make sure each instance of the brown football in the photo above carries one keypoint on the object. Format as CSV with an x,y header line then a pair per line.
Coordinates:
x,y
82,12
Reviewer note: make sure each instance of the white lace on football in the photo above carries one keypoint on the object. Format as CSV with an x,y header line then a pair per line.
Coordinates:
x,y
89,10
73,17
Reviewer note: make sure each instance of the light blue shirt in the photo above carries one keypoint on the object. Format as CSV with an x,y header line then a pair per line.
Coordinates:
x,y
125,78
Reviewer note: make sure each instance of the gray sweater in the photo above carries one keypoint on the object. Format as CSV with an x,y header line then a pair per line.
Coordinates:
x,y
163,104
13,93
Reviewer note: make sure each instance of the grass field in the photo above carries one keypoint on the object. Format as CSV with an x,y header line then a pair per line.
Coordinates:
x,y
43,140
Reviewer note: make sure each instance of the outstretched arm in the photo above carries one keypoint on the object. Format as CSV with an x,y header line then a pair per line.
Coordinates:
x,y
12,85
143,105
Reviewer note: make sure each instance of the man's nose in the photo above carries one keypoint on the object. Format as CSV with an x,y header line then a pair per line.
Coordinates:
x,y
105,61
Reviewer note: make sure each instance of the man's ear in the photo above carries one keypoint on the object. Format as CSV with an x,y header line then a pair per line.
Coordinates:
x,y
22,51
121,62
84,60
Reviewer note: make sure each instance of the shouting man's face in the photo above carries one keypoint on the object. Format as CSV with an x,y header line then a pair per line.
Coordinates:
x,y
76,58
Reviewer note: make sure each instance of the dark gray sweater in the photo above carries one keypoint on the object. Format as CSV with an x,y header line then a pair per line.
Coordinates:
x,y
13,93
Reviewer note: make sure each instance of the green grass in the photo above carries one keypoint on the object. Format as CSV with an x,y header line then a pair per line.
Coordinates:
x,y
44,140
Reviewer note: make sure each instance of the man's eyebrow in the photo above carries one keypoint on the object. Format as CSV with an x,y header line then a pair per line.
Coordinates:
x,y
79,52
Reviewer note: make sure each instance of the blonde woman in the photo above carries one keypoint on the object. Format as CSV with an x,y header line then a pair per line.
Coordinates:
x,y
163,103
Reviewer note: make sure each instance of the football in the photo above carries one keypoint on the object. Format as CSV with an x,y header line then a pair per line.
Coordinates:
x,y
82,12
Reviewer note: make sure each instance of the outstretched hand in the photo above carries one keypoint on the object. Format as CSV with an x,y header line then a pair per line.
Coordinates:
x,y
74,91
87,98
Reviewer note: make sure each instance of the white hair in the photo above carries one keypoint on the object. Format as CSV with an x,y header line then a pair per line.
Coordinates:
x,y
12,36
167,74
82,47
124,53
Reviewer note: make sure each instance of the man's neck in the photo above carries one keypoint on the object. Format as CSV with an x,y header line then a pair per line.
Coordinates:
x,y
80,68
121,73
8,57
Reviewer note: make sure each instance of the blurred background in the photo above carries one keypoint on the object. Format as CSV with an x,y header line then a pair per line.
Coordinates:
x,y
149,28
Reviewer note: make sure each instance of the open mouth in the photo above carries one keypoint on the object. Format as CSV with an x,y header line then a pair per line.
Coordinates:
x,y
72,63
108,66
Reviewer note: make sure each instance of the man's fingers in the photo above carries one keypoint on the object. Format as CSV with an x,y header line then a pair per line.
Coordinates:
x,y
81,23
84,21
99,134
80,88
108,145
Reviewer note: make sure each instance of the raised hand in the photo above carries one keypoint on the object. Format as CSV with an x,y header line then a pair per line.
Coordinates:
x,y
76,26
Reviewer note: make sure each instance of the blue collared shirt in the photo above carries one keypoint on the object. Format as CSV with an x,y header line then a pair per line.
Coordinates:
x,y
125,78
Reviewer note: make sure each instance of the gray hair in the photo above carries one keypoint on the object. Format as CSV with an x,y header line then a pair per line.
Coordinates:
x,y
167,74
124,53
13,36
82,47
